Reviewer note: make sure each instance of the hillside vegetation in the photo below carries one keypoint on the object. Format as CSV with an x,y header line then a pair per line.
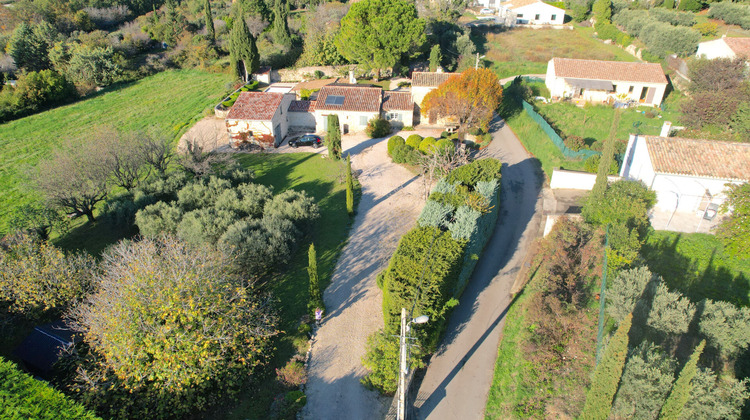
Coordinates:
x,y
171,100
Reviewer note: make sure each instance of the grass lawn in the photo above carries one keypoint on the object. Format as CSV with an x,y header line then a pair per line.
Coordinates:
x,y
324,180
696,265
385,84
539,144
171,100
527,51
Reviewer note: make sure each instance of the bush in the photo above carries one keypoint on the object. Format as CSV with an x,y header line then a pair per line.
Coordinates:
x,y
427,145
444,145
286,406
574,143
393,142
414,141
731,13
378,127
24,397
707,28
293,374
662,39
407,128
401,153
477,171
592,165
673,17
690,5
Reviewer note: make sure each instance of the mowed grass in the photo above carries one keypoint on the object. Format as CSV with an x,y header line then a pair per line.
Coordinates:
x,y
527,51
171,100
323,179
539,144
696,265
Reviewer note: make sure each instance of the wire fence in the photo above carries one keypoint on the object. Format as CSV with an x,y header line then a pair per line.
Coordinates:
x,y
554,137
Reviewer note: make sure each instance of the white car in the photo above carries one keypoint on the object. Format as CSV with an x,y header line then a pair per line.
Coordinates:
x,y
486,12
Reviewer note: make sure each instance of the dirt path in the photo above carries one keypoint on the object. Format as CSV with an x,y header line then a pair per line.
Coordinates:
x,y
390,203
459,375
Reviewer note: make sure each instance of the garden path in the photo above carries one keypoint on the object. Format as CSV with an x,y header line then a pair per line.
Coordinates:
x,y
459,375
390,203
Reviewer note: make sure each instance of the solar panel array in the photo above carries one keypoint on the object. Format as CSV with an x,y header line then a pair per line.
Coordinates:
x,y
334,100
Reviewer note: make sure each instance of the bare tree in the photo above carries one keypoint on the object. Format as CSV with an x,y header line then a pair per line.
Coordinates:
x,y
124,159
76,178
440,162
199,155
155,149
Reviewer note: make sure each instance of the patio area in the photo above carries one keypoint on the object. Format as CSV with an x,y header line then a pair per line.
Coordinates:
x,y
683,221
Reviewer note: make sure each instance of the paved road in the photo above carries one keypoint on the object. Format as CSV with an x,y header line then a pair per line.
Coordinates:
x,y
390,203
459,375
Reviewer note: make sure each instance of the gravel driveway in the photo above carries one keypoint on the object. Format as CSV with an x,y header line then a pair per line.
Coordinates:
x,y
390,203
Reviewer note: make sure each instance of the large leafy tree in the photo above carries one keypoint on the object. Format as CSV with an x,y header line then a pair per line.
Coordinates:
x,y
377,33
28,47
243,53
171,321
471,97
735,230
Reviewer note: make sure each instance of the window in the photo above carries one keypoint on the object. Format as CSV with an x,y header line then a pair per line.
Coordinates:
x,y
630,90
519,16
334,100
554,17
362,120
536,17
393,116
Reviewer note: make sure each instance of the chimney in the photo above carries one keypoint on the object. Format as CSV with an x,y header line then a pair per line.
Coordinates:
x,y
665,129
352,79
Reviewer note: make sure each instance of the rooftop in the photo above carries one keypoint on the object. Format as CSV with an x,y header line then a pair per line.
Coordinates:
x,y
259,106
740,46
703,158
609,70
429,79
302,106
349,98
515,4
397,101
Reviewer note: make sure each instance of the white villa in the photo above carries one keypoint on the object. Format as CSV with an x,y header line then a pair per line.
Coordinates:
x,y
605,81
725,48
530,12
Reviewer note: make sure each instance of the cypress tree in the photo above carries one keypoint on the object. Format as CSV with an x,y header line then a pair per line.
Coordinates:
x,y
607,375
435,57
680,392
316,298
333,137
608,155
349,186
280,32
243,53
210,30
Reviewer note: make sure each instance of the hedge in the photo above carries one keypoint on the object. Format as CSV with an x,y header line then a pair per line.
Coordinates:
x,y
393,142
23,397
731,13
661,38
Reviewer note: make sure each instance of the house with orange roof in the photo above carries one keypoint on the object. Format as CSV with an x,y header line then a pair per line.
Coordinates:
x,y
725,48
688,175
599,81
260,118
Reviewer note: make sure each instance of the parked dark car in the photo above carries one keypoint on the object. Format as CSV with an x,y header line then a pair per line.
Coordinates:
x,y
307,140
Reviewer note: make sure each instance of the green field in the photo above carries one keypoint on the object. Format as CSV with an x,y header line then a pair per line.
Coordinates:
x,y
527,51
171,100
696,265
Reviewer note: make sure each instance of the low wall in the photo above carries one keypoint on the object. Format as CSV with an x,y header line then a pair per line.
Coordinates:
x,y
575,180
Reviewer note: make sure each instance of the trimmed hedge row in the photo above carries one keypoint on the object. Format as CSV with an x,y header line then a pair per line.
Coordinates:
x,y
434,261
23,397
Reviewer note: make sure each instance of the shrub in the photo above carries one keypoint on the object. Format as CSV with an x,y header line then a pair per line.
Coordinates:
x,y
393,142
378,127
690,5
382,361
401,153
592,165
479,170
574,143
293,374
662,39
444,145
731,13
408,127
707,28
427,146
673,17
645,382
414,141
436,213
25,397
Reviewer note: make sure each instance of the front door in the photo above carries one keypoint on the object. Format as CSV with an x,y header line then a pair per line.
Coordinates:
x,y
277,135
650,95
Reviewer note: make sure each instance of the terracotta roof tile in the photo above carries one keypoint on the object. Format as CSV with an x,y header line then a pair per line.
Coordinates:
x,y
705,158
259,106
397,101
302,106
429,79
609,70
740,46
356,98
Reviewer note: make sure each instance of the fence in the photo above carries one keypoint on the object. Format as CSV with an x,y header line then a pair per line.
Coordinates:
x,y
556,139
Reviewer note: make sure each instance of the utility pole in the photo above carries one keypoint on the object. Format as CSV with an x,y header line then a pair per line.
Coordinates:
x,y
401,415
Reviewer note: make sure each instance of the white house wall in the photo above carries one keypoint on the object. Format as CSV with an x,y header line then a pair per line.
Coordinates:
x,y
348,121
301,121
545,12
714,49
419,92
686,193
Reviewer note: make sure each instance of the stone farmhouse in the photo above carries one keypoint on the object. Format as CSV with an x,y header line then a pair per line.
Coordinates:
x,y
688,175
606,81
266,118
725,48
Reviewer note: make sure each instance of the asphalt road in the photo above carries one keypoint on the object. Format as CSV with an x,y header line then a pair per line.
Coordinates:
x,y
459,375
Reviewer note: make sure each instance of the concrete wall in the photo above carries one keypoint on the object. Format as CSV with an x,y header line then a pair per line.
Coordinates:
x,y
545,12
400,118
419,92
301,121
714,49
348,121
575,180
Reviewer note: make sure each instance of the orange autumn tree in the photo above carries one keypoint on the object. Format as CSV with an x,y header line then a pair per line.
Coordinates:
x,y
470,97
